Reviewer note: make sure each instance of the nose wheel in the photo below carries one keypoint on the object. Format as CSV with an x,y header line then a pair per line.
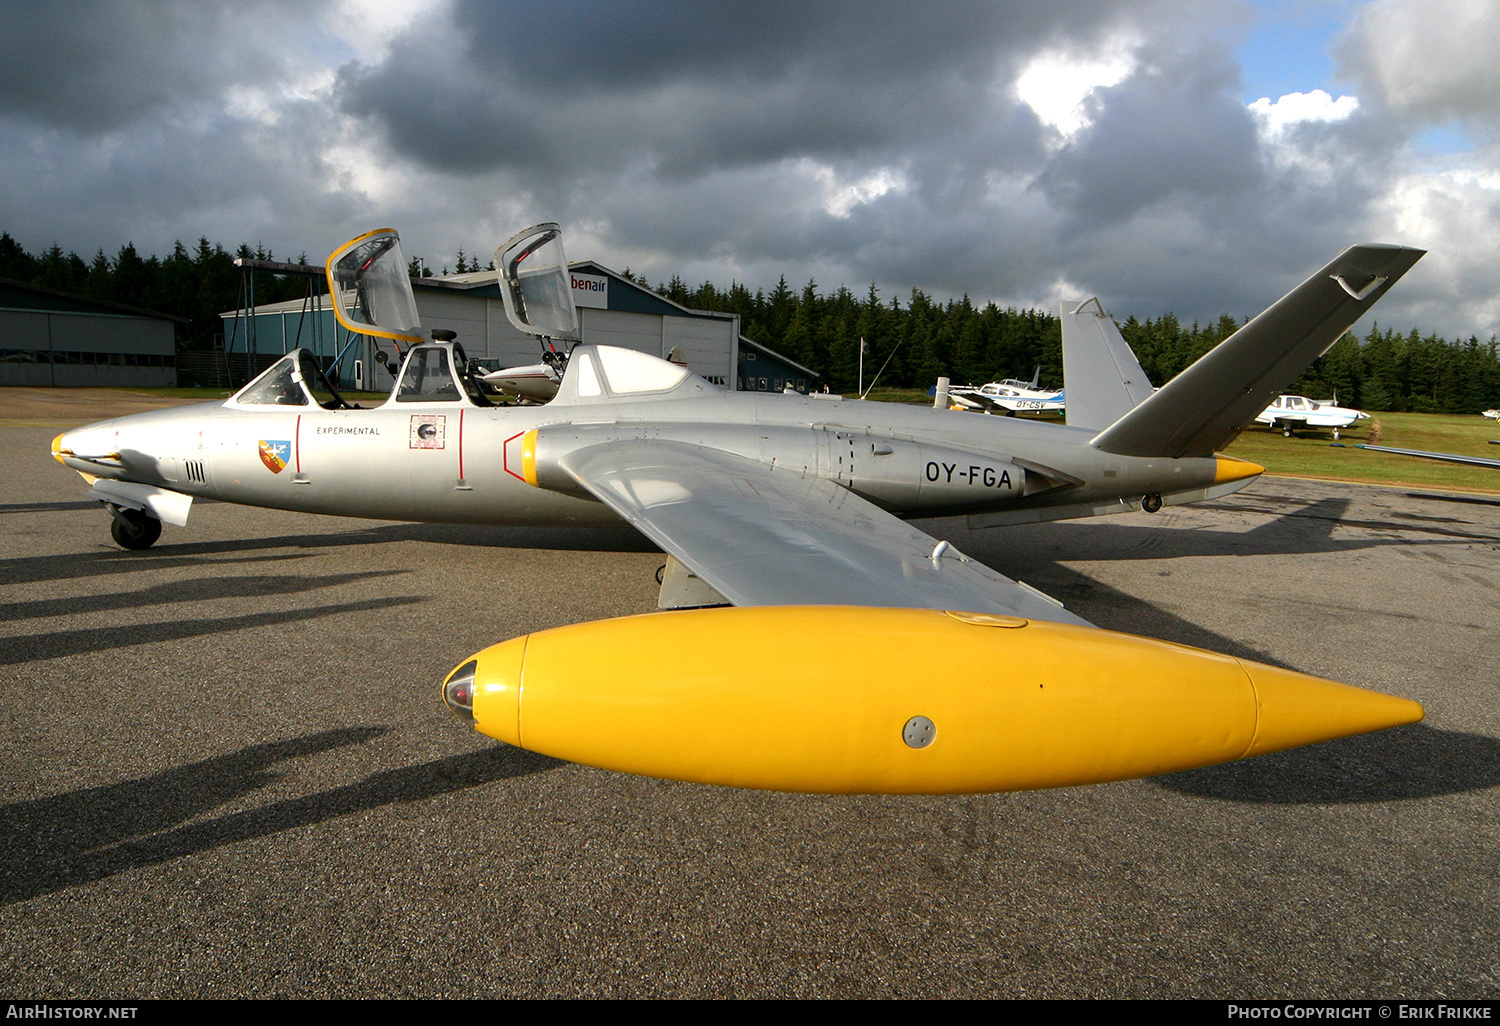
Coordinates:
x,y
133,529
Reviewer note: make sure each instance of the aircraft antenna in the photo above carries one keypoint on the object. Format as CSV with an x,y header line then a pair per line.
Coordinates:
x,y
881,370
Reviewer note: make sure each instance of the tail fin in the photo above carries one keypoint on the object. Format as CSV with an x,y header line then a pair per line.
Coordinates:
x,y
1205,407
1100,373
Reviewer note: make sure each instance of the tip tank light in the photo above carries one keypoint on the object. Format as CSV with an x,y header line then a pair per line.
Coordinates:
x,y
458,691
870,704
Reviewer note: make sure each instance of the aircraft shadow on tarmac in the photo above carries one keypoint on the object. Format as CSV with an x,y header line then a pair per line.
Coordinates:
x,y
105,559
1474,500
1304,528
29,647
191,590
45,507
49,844
1416,761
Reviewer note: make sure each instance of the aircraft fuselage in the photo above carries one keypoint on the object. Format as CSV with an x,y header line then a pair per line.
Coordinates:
x,y
453,462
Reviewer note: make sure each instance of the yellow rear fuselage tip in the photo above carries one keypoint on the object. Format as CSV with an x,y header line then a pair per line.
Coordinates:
x,y
1230,469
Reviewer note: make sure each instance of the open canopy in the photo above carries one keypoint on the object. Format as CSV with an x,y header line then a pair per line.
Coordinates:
x,y
368,280
534,281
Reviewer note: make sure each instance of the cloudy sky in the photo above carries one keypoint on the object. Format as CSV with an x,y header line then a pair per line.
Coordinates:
x,y
1200,156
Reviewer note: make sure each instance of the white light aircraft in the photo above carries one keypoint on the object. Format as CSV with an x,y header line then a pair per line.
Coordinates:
x,y
537,381
1009,397
1288,411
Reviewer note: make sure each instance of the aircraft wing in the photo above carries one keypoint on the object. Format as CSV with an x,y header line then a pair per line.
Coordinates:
x,y
1450,457
972,399
773,537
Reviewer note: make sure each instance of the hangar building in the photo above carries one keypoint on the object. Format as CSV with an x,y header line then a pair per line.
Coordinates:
x,y
612,310
56,338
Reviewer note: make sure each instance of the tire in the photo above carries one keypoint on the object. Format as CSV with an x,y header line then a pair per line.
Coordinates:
x,y
132,529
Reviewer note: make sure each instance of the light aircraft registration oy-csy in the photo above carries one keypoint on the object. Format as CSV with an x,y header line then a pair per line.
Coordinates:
x,y
781,513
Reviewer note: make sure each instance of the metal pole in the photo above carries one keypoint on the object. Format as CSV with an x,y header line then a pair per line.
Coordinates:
x,y
251,335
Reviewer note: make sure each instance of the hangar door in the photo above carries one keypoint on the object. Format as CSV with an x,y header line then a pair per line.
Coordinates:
x,y
707,342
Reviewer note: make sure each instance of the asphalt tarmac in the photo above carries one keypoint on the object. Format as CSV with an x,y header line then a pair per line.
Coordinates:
x,y
227,773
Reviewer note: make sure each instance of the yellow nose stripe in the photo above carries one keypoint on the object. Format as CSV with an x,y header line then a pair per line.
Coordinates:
x,y
528,457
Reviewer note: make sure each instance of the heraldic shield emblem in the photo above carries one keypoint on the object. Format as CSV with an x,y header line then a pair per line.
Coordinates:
x,y
275,454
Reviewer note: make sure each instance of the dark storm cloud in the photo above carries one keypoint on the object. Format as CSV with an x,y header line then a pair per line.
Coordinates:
x,y
172,181
692,126
845,142
92,65
686,88
1172,130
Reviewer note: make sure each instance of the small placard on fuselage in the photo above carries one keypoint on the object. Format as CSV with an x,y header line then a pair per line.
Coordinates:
x,y
428,430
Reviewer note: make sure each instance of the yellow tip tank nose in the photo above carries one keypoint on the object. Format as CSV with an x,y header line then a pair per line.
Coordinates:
x,y
1293,709
497,690
57,448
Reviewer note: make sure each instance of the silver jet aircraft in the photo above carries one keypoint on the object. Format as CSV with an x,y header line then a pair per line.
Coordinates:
x,y
792,510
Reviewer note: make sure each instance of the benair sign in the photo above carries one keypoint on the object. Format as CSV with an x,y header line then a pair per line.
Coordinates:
x,y
589,290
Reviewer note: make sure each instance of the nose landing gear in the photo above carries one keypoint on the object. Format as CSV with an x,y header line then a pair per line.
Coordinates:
x,y
133,528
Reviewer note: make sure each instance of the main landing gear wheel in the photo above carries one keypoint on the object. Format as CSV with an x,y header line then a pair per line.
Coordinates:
x,y
133,529
1286,432
1151,503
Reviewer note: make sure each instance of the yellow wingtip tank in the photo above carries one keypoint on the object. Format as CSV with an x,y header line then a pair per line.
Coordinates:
x,y
877,708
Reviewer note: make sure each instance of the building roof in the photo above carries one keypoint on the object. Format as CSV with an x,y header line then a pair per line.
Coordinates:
x,y
761,347
20,295
640,299
635,298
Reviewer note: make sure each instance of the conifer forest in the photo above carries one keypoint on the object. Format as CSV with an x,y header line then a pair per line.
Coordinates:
x,y
916,337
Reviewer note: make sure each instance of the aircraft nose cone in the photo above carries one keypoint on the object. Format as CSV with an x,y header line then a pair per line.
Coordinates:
x,y
487,689
87,442
1295,709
